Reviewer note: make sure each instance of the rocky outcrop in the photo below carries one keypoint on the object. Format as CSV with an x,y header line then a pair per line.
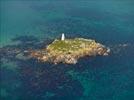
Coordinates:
x,y
69,50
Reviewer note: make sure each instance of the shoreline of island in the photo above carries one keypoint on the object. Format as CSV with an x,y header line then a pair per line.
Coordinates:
x,y
69,50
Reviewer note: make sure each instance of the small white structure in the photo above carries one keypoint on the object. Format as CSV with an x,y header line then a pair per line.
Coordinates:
x,y
63,37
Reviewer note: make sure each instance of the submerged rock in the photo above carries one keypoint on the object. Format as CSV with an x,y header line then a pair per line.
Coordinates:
x,y
69,50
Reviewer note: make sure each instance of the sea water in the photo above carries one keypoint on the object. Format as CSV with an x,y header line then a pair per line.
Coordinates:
x,y
110,22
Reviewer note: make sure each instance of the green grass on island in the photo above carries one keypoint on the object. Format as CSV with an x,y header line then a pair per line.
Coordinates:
x,y
70,44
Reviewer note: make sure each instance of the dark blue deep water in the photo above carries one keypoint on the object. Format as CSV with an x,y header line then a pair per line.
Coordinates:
x,y
25,23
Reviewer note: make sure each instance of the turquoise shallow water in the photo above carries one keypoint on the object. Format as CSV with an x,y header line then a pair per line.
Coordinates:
x,y
95,78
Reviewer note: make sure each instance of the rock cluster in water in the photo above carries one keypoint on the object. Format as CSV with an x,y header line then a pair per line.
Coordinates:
x,y
69,50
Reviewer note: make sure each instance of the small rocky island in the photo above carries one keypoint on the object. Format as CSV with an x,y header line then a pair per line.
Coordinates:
x,y
69,50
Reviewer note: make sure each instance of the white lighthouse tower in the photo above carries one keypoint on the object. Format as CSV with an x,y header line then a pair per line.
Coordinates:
x,y
63,37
